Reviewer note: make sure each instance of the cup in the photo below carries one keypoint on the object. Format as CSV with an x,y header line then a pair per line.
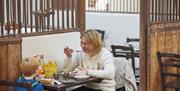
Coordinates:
x,y
40,77
56,76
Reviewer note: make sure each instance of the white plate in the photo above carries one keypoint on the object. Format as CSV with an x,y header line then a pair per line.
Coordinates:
x,y
68,81
81,77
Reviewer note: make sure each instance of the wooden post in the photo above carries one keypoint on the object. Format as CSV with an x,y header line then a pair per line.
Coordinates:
x,y
80,15
144,17
10,58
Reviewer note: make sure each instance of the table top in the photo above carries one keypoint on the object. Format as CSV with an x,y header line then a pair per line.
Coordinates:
x,y
63,86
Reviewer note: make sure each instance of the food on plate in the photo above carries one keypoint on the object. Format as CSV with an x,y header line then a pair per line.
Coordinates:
x,y
46,81
39,71
81,77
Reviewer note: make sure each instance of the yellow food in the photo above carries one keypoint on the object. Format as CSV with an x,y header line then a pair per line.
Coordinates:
x,y
49,69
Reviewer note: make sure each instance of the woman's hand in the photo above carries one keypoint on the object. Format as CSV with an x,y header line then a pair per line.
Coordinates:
x,y
80,70
68,51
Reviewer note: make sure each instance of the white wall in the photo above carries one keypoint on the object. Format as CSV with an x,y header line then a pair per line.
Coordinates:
x,y
117,26
51,46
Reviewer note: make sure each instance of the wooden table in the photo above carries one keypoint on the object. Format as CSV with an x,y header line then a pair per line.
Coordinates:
x,y
63,86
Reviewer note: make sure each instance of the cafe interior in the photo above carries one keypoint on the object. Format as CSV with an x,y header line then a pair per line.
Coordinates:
x,y
142,35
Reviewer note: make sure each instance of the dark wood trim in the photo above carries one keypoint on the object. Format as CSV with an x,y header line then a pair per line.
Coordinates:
x,y
144,17
48,32
19,17
10,40
18,84
172,27
80,15
1,17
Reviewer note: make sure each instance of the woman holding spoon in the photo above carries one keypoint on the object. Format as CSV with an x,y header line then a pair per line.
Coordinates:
x,y
93,60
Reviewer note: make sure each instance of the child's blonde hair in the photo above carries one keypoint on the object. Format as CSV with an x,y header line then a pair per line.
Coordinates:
x,y
29,65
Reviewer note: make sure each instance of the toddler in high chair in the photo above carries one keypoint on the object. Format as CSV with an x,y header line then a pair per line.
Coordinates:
x,y
28,67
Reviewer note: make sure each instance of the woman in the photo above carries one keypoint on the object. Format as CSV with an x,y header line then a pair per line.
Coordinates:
x,y
94,60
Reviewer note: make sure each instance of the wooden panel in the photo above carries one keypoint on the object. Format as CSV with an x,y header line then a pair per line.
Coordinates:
x,y
10,57
80,16
160,47
178,40
161,40
3,65
153,74
14,58
168,41
164,37
171,46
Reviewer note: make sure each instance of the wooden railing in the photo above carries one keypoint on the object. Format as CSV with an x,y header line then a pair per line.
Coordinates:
x,y
164,10
113,6
22,17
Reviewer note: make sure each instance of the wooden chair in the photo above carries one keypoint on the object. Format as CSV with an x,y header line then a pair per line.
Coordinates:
x,y
132,40
102,33
169,66
124,52
16,84
135,43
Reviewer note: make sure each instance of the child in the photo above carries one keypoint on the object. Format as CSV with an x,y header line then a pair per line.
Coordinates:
x,y
28,67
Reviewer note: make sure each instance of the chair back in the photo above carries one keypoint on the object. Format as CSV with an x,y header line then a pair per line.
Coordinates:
x,y
124,52
169,66
132,40
135,42
102,33
16,84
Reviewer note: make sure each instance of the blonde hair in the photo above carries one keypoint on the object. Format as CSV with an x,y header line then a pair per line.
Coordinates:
x,y
94,38
29,65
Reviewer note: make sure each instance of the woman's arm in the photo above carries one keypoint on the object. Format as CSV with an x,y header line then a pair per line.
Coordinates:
x,y
107,72
71,63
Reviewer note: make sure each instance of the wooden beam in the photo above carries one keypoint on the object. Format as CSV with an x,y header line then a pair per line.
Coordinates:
x,y
144,17
80,15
